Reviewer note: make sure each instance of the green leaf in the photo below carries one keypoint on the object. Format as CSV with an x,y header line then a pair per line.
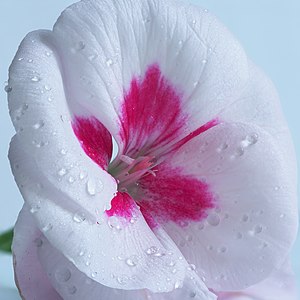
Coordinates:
x,y
6,240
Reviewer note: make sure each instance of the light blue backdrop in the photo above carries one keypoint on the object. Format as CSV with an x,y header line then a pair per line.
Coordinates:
x,y
268,29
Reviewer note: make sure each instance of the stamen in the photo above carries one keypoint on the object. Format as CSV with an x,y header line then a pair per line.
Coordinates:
x,y
130,170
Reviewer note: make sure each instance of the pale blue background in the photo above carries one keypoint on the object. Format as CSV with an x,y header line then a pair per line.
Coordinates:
x,y
268,29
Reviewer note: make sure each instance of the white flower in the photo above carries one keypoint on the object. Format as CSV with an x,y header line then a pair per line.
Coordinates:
x,y
202,192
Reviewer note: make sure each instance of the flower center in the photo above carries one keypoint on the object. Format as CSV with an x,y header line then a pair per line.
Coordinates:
x,y
127,171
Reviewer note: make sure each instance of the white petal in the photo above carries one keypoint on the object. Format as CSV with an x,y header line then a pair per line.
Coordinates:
x,y
259,104
280,285
254,222
44,133
102,244
72,284
104,45
29,275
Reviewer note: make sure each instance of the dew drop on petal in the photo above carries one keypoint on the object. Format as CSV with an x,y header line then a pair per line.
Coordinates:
x,y
91,187
191,267
35,78
152,250
132,261
71,179
62,172
7,89
47,227
39,125
79,217
239,236
245,218
222,249
114,223
122,279
38,242
109,62
94,274
72,290
62,275
213,219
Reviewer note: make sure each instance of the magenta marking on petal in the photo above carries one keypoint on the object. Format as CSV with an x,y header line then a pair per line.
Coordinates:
x,y
95,139
151,112
196,132
122,205
174,196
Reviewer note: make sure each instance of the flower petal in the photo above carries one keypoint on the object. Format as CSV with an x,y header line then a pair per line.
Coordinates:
x,y
259,104
280,285
73,284
30,277
243,185
104,242
41,116
124,57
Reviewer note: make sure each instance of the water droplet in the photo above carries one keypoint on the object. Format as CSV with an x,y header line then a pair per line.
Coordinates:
x,y
109,62
222,147
81,253
92,57
35,78
276,188
204,61
189,238
34,209
201,226
132,261
80,46
7,89
94,274
71,179
222,249
20,58
256,230
177,285
152,250
47,87
38,242
30,60
191,267
245,218
238,236
79,217
195,83
62,275
281,216
93,187
63,151
114,223
193,294
39,125
213,219
47,227
62,172
123,279
82,175
239,152
48,53
72,290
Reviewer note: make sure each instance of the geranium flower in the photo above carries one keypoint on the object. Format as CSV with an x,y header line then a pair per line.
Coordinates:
x,y
201,195
280,285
